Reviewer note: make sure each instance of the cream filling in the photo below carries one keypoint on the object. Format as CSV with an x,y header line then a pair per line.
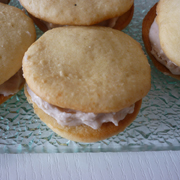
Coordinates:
x,y
12,85
158,52
108,23
69,117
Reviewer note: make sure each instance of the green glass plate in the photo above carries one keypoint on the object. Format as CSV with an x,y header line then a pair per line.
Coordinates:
x,y
157,126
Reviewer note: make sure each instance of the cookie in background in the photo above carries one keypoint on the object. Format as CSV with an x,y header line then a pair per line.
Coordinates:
x,y
17,33
160,32
49,14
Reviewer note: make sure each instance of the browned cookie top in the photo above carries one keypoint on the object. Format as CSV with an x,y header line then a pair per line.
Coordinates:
x,y
17,34
91,69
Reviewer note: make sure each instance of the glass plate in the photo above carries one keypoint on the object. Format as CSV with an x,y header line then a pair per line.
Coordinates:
x,y
157,126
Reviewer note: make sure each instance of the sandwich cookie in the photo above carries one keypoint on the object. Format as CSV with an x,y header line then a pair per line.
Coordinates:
x,y
86,83
49,14
160,32
17,34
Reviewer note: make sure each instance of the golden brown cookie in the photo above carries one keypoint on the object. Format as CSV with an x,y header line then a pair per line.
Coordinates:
x,y
91,69
84,133
147,22
168,20
124,19
120,24
81,12
17,34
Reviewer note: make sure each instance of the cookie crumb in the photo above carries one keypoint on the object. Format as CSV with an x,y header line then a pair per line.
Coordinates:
x,y
61,74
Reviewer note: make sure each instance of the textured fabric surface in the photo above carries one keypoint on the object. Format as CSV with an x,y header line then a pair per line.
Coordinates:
x,y
91,166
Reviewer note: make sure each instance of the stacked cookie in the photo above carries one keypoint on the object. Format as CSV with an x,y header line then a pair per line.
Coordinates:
x,y
85,82
49,14
162,38
17,33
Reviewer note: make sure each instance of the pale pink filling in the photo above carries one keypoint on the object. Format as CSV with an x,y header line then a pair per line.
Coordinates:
x,y
157,51
69,117
108,23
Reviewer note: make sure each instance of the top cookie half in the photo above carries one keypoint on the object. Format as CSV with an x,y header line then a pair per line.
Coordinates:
x,y
17,33
168,20
79,12
91,69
